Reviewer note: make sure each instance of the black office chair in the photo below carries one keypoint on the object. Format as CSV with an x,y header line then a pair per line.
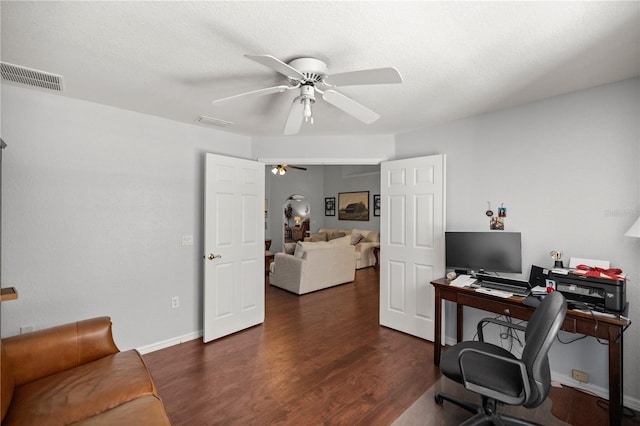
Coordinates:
x,y
497,375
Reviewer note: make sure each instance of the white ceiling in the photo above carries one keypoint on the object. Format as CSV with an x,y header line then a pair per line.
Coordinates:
x,y
457,59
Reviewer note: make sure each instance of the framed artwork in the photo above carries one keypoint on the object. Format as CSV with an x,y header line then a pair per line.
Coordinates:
x,y
353,205
330,206
376,205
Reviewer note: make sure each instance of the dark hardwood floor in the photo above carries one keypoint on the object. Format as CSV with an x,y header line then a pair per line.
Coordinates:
x,y
321,358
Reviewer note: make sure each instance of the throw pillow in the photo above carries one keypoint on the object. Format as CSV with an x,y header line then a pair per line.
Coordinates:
x,y
299,251
289,248
337,235
356,237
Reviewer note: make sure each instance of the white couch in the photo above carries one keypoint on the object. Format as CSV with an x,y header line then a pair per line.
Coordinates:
x,y
314,266
363,247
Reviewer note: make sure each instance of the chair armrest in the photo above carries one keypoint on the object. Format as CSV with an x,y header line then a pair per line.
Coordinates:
x,y
498,322
483,387
49,351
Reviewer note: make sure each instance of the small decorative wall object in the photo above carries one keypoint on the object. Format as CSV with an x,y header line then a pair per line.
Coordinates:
x,y
353,205
330,206
376,205
557,259
496,222
489,212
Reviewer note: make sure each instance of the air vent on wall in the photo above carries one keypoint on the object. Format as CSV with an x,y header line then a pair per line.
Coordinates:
x,y
31,77
213,121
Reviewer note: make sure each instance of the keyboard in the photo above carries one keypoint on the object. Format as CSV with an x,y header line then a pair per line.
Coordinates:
x,y
516,290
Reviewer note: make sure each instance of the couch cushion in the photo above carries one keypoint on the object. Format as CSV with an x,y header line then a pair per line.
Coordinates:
x,y
318,236
328,231
147,410
342,241
336,235
81,392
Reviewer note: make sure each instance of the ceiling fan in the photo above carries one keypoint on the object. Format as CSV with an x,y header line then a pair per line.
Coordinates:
x,y
282,168
310,76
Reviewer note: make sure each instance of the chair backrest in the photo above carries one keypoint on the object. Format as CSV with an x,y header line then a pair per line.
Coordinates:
x,y
541,331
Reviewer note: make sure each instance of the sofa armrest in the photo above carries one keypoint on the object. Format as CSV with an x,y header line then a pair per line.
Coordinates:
x,y
286,266
369,246
49,351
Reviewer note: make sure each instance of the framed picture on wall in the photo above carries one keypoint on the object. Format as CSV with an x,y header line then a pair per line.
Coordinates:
x,y
376,205
353,205
330,206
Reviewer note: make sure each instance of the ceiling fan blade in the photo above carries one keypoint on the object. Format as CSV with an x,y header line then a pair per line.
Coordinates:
x,y
277,65
350,106
296,167
373,76
259,92
294,122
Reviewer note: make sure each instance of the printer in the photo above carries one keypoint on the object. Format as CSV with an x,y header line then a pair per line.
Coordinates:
x,y
609,294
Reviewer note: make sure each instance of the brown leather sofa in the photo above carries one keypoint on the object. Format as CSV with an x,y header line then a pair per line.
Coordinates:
x,y
75,374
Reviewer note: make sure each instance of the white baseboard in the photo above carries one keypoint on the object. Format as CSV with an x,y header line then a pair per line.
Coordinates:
x,y
169,342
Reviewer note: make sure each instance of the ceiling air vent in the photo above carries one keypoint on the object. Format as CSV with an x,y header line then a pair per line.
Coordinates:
x,y
213,121
31,77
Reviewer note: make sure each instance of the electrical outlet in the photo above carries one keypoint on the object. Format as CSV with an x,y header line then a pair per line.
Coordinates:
x,y
187,240
175,302
580,376
26,329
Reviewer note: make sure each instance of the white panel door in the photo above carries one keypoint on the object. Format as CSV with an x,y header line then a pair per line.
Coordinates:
x,y
234,245
412,225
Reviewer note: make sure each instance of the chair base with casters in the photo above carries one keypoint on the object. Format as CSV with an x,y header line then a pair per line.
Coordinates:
x,y
498,375
485,414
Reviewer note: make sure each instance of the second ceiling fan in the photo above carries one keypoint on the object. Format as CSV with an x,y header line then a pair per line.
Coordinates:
x,y
310,76
282,168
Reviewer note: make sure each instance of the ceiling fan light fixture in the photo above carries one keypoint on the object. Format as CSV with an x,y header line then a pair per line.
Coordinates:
x,y
306,111
279,169
307,98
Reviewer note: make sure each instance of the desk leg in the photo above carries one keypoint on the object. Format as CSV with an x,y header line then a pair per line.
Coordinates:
x,y
615,379
459,321
437,341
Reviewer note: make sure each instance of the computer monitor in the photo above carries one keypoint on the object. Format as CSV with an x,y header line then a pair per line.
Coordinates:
x,y
495,251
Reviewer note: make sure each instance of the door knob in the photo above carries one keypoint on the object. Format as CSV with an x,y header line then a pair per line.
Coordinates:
x,y
212,256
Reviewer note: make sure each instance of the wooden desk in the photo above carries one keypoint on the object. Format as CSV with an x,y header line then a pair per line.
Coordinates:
x,y
609,329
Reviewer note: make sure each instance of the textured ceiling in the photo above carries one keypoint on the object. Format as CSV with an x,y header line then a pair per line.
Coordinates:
x,y
457,59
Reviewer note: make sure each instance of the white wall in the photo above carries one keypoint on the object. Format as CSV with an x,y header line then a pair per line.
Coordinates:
x,y
567,170
94,203
324,147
